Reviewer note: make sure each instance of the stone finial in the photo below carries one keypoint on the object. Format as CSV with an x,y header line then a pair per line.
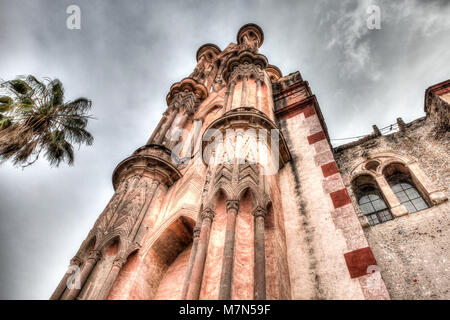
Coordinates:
x,y
273,72
376,131
401,125
208,48
250,34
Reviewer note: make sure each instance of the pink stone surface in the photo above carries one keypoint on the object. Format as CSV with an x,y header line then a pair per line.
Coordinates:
x,y
242,288
213,264
171,284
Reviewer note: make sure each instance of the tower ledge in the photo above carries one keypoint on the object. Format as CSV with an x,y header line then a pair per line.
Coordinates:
x,y
190,85
249,118
152,159
207,47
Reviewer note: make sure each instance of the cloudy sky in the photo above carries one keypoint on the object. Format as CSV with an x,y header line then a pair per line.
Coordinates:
x,y
128,53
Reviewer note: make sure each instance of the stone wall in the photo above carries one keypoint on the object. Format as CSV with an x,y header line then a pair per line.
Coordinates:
x,y
411,250
321,225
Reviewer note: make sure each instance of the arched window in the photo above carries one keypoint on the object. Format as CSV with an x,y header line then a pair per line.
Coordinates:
x,y
388,186
406,192
372,205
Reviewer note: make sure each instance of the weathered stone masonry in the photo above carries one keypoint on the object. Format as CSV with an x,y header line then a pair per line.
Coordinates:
x,y
196,215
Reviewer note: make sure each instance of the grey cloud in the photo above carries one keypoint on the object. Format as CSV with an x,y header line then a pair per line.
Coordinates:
x,y
127,55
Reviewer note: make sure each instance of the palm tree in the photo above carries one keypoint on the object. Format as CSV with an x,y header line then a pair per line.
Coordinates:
x,y
34,118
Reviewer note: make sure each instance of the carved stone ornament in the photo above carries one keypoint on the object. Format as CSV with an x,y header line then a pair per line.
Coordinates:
x,y
119,262
186,85
187,100
232,205
259,212
196,232
76,261
95,255
250,36
208,213
253,65
248,70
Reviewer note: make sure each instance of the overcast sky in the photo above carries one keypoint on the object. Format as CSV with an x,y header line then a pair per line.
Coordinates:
x,y
128,53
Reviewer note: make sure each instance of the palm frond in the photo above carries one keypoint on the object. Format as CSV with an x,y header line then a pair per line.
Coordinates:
x,y
79,135
25,152
18,87
5,122
58,149
25,104
55,90
77,106
6,103
38,86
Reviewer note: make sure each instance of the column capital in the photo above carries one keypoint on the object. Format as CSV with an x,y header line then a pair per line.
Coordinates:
x,y
95,255
119,262
208,213
232,205
155,183
197,232
76,261
259,212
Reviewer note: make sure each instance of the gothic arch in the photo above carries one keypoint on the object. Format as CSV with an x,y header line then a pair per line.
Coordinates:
x,y
364,177
379,167
389,162
384,159
173,241
185,213
88,244
108,239
253,189
223,188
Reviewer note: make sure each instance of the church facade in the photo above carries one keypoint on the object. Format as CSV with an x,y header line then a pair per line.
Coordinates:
x,y
238,194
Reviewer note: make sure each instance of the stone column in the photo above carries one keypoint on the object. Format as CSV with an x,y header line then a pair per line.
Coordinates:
x,y
244,92
225,99
260,255
229,104
75,262
191,262
395,206
157,129
112,276
258,95
181,124
167,126
198,267
228,251
94,256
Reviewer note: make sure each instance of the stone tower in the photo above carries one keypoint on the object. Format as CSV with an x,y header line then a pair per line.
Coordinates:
x,y
236,195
